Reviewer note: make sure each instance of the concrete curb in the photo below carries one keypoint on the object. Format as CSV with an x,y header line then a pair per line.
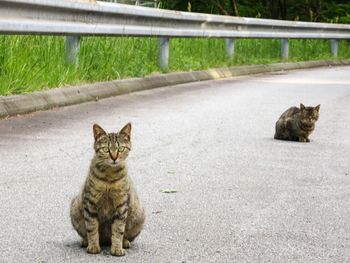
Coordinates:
x,y
59,97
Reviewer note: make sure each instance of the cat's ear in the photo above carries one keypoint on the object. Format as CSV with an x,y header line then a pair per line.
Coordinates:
x,y
126,131
98,131
302,107
317,108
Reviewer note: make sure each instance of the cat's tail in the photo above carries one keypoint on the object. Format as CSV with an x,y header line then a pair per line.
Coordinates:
x,y
276,137
278,131
279,137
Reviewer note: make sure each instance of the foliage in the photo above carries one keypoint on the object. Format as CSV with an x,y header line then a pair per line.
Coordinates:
x,y
303,10
29,63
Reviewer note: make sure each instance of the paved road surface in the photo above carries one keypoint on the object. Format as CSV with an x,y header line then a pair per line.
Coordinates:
x,y
242,196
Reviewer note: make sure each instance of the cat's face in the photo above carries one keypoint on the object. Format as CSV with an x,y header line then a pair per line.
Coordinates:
x,y
309,115
112,148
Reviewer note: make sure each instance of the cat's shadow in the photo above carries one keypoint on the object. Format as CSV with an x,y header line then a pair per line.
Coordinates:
x,y
76,248
273,140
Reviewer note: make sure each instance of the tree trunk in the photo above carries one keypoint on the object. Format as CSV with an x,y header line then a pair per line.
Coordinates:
x,y
274,9
234,8
283,8
309,10
220,7
318,9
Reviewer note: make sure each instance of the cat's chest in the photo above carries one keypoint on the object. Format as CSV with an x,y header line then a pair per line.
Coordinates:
x,y
110,197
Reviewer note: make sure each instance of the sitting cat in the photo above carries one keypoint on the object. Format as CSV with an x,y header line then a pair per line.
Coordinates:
x,y
297,124
108,210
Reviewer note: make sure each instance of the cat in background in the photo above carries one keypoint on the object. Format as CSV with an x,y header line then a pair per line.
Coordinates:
x,y
108,210
296,124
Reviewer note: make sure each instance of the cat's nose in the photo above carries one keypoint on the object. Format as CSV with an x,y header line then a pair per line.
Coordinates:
x,y
114,155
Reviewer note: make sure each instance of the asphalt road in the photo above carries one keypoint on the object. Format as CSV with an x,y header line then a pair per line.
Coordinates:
x,y
241,196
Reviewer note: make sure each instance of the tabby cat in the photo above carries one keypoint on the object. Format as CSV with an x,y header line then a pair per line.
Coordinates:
x,y
296,124
108,210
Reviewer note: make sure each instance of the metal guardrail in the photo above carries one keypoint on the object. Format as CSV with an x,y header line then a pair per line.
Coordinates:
x,y
134,2
79,18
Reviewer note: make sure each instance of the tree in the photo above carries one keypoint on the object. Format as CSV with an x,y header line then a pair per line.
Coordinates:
x,y
304,10
234,8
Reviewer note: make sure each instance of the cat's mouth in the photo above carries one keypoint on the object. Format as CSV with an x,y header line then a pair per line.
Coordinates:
x,y
113,163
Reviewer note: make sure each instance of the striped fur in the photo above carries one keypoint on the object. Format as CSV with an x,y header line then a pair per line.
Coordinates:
x,y
296,124
108,210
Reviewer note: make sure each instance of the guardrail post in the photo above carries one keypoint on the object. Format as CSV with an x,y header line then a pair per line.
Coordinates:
x,y
334,47
72,49
284,48
164,52
230,47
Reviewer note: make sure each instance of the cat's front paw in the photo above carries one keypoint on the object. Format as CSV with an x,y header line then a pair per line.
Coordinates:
x,y
93,249
83,243
126,243
301,139
117,251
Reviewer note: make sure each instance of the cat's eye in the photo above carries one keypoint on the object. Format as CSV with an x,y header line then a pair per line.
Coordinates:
x,y
105,149
121,148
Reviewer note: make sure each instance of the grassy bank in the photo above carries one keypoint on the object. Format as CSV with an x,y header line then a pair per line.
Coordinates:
x,y
29,63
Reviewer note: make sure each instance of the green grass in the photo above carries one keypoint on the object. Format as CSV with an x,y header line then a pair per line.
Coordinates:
x,y
30,63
